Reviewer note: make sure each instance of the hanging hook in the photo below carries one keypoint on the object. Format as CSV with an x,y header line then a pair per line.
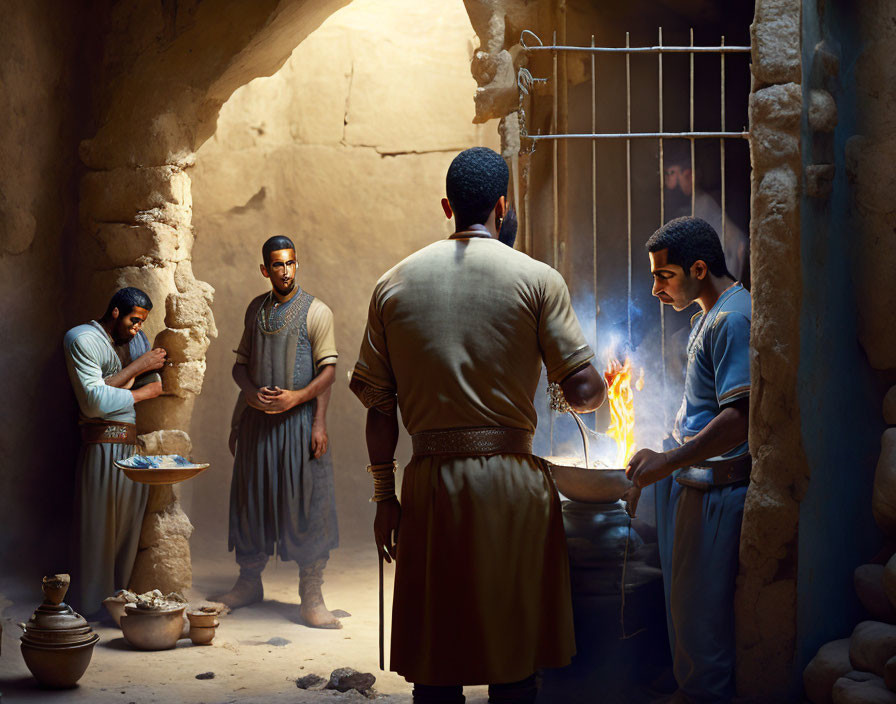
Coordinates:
x,y
523,39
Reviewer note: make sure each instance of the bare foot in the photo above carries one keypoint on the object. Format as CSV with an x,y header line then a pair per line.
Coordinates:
x,y
318,616
246,591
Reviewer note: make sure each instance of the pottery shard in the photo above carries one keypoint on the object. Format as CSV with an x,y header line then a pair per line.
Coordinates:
x,y
872,643
776,41
869,584
182,344
118,195
822,111
889,409
166,442
883,499
183,379
861,688
829,664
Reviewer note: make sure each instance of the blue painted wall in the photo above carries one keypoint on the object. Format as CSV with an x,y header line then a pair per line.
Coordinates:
x,y
840,396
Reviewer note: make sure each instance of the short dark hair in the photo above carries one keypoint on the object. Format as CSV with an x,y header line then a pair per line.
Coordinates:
x,y
677,152
126,299
274,244
687,240
476,179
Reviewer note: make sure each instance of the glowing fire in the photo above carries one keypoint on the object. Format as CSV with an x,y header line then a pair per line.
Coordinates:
x,y
622,408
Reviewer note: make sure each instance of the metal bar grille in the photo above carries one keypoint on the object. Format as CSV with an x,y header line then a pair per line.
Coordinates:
x,y
531,43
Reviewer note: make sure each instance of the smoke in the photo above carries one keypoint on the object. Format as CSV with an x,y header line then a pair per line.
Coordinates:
x,y
655,404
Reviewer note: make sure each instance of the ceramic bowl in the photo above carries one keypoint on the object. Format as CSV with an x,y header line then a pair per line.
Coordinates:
x,y
152,630
58,667
202,618
161,475
115,606
203,635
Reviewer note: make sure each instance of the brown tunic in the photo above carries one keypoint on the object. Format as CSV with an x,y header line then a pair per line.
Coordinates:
x,y
459,331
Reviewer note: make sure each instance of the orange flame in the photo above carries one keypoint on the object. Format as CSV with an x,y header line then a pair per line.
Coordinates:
x,y
622,408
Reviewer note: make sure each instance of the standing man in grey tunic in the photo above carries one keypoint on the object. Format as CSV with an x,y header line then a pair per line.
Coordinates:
x,y
281,495
111,368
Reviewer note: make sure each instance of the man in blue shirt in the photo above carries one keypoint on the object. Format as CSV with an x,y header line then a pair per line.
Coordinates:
x,y
702,478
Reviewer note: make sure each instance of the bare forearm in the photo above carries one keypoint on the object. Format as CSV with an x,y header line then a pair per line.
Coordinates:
x,y
320,413
382,435
125,378
723,433
319,384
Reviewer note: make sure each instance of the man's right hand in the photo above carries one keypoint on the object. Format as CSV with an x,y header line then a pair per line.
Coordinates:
x,y
152,360
385,528
147,392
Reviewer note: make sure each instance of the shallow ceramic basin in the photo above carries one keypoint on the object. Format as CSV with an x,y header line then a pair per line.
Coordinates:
x,y
161,475
590,486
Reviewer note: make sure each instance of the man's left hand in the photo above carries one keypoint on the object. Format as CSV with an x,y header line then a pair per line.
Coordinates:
x,y
647,467
319,439
280,400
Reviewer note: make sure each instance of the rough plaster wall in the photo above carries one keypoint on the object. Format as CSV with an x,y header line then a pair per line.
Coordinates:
x,y
345,150
38,158
165,70
766,595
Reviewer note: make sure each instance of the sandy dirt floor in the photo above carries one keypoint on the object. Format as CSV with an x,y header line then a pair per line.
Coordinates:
x,y
246,667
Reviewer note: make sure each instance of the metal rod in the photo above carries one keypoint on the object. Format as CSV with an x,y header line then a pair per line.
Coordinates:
x,y
644,135
659,59
722,143
594,199
555,187
691,127
628,182
645,49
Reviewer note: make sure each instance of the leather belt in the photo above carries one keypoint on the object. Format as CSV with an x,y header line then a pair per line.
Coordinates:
x,y
100,431
721,473
472,442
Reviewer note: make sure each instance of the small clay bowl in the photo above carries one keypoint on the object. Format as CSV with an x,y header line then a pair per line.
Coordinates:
x,y
203,635
148,629
58,667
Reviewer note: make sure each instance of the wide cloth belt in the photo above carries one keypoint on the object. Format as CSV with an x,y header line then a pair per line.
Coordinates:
x,y
472,442
721,473
98,431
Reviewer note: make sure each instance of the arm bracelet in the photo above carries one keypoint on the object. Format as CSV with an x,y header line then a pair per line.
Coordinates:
x,y
383,481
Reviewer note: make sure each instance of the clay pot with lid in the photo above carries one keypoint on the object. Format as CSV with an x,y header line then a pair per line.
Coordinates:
x,y
57,643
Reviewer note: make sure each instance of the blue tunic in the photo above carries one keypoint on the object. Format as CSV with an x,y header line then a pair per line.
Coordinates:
x,y
699,531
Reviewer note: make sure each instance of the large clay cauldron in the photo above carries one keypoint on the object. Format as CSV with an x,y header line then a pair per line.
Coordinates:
x,y
57,643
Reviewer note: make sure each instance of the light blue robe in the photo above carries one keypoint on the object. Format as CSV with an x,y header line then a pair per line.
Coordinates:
x,y
109,507
699,531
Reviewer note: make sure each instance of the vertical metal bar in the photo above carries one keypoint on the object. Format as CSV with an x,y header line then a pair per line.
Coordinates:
x,y
628,179
527,227
693,164
594,199
659,58
556,192
722,144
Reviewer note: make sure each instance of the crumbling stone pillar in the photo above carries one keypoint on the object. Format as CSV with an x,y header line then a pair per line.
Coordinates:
x,y
766,597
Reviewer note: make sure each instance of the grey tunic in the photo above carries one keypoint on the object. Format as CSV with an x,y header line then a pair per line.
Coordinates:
x,y
109,507
281,498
